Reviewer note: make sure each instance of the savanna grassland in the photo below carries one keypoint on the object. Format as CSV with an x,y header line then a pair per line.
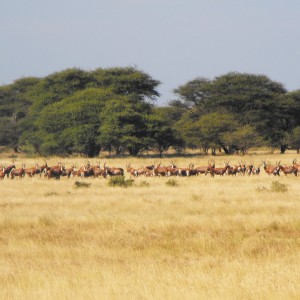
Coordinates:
x,y
206,238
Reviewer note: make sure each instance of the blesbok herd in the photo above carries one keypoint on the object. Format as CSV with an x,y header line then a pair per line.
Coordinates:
x,y
154,170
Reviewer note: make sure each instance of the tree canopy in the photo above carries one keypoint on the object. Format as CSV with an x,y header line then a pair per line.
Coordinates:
x,y
78,111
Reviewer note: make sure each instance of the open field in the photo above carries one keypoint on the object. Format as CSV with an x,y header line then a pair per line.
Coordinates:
x,y
207,238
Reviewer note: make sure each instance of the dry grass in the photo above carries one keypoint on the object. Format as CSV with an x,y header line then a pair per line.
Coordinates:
x,y
205,238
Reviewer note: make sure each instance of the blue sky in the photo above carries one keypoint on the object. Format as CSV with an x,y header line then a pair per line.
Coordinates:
x,y
174,41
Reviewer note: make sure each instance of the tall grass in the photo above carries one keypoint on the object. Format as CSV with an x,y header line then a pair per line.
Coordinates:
x,y
209,238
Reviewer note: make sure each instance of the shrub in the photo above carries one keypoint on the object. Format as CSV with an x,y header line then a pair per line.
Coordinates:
x,y
144,184
278,187
171,182
120,181
80,184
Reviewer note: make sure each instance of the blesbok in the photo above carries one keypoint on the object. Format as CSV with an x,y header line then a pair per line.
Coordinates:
x,y
147,171
184,171
233,170
172,169
288,170
69,171
160,171
55,172
8,169
271,170
113,171
249,168
2,174
132,171
206,169
31,171
41,169
296,165
18,172
220,171
256,170
242,167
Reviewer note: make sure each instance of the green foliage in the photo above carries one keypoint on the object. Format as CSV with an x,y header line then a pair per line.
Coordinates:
x,y
120,181
124,125
260,110
294,138
126,81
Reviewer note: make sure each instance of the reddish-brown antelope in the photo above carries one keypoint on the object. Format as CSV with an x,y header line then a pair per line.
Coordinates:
x,y
31,171
18,172
160,171
133,172
8,169
69,171
233,170
56,171
296,165
220,171
286,170
206,169
271,170
2,174
41,169
113,171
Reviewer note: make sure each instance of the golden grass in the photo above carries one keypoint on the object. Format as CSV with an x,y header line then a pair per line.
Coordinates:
x,y
207,238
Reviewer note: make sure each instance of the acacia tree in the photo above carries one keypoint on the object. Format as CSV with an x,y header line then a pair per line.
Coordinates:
x,y
252,100
65,114
124,125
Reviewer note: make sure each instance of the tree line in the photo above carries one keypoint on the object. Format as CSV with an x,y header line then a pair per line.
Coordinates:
x,y
113,109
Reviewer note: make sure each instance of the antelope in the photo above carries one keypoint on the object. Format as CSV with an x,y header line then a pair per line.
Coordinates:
x,y
172,170
31,171
8,169
148,170
242,168
233,170
18,172
55,172
271,170
133,172
220,171
160,171
296,165
184,171
206,169
249,169
41,169
98,172
113,171
68,172
256,170
288,170
2,174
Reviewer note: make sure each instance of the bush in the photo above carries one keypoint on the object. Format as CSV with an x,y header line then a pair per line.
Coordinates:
x,y
171,182
80,184
278,187
120,181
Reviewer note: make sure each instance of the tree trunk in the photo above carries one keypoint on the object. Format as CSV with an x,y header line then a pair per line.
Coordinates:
x,y
283,148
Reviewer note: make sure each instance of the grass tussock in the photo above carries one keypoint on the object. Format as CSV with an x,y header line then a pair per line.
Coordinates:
x,y
278,187
81,184
172,182
120,181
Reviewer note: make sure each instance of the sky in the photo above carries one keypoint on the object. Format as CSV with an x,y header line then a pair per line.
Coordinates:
x,y
174,41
